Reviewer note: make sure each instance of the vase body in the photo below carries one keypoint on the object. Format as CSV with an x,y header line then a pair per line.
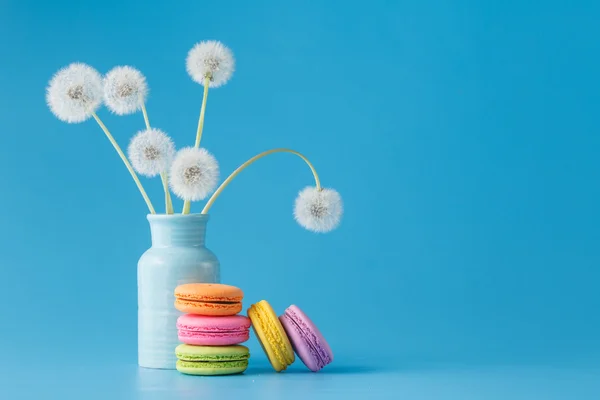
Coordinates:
x,y
177,256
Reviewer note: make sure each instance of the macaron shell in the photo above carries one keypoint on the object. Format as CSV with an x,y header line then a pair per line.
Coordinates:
x,y
213,331
205,323
213,339
186,352
302,348
211,368
313,329
271,335
209,292
306,339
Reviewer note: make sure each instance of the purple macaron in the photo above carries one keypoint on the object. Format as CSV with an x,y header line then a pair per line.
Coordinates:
x,y
307,341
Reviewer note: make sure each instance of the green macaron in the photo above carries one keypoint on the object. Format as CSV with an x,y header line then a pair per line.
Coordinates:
x,y
212,360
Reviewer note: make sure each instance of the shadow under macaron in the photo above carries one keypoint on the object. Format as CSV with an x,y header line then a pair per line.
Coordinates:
x,y
262,367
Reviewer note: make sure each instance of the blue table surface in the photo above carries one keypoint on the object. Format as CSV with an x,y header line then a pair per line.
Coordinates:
x,y
390,380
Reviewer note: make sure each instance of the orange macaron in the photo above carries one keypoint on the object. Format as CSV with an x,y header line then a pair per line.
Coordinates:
x,y
208,299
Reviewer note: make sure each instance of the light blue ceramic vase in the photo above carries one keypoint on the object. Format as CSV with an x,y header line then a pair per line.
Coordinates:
x,y
177,256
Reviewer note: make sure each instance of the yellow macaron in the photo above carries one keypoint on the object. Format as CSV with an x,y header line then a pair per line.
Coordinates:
x,y
271,335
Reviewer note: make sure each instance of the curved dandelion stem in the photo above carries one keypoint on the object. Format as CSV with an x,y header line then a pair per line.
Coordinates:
x,y
163,176
187,204
251,161
168,202
126,162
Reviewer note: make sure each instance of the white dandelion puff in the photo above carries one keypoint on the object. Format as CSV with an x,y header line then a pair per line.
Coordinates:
x,y
125,90
194,174
151,152
74,93
210,59
318,210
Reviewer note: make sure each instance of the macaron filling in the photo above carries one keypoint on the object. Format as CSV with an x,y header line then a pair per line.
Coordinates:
x,y
211,364
208,308
212,358
208,331
240,336
188,300
211,329
320,354
208,304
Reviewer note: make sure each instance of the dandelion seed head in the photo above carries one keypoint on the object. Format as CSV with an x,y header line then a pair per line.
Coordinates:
x,y
74,93
318,210
151,152
210,59
194,174
125,90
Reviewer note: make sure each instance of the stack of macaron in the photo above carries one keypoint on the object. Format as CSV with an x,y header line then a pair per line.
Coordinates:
x,y
211,329
292,332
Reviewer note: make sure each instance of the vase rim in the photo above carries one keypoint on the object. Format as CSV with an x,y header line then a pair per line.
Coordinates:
x,y
198,216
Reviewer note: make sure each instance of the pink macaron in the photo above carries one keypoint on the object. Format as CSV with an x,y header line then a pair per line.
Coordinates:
x,y
307,341
202,330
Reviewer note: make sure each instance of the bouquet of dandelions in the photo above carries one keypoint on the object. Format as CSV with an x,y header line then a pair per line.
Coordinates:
x,y
77,91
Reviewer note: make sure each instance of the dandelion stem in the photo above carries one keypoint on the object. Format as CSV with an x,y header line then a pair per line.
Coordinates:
x,y
126,162
168,202
163,176
146,120
202,111
187,204
248,163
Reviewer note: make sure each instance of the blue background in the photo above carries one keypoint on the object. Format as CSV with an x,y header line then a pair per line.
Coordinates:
x,y
462,135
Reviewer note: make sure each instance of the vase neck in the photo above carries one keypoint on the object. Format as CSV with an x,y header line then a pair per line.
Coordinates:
x,y
178,230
